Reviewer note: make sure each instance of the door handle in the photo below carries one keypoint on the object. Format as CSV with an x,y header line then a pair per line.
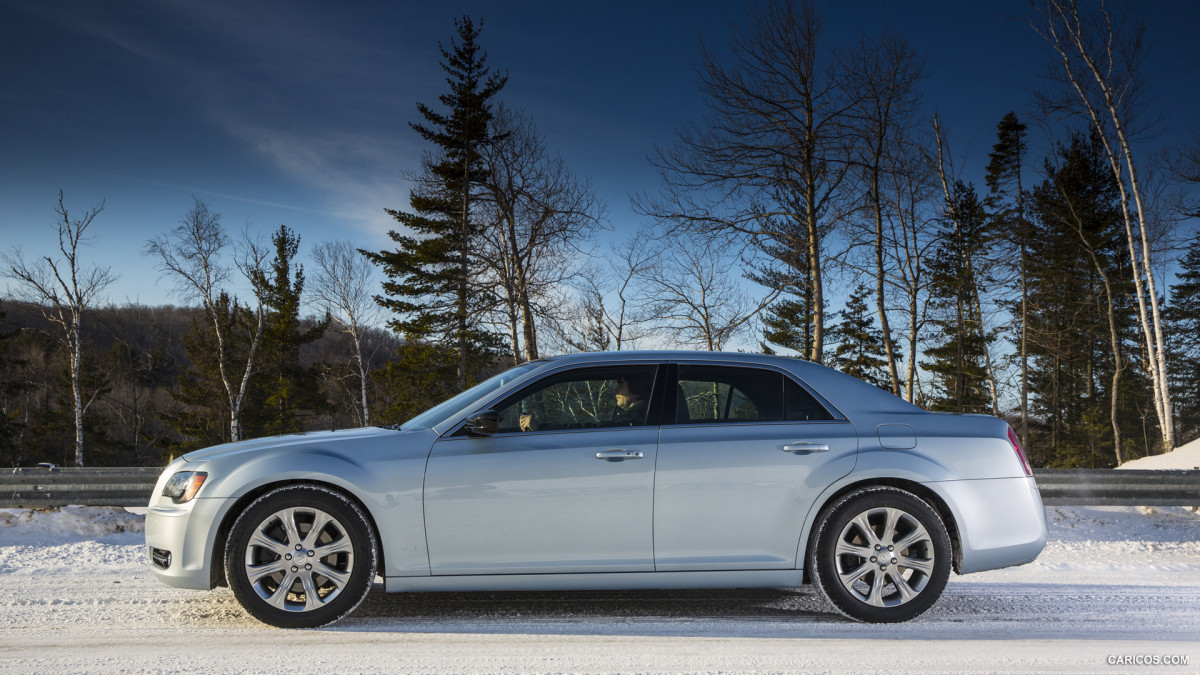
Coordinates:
x,y
619,455
804,448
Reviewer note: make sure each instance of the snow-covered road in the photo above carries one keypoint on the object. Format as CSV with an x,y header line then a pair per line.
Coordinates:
x,y
1114,584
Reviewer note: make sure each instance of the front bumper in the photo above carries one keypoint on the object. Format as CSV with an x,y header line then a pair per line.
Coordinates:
x,y
187,532
1001,521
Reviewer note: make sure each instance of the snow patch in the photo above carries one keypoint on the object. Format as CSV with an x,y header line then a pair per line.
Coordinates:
x,y
1184,457
70,524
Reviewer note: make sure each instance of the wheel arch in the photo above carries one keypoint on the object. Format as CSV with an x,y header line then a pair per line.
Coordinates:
x,y
922,492
217,561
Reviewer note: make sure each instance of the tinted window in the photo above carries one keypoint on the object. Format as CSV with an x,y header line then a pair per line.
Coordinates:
x,y
802,406
709,394
585,398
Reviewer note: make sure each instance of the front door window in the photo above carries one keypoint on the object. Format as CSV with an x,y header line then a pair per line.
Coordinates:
x,y
589,398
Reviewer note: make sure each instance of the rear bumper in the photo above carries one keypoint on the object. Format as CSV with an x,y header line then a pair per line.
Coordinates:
x,y
1001,521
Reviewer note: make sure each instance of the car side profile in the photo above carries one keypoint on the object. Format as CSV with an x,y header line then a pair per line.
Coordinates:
x,y
622,470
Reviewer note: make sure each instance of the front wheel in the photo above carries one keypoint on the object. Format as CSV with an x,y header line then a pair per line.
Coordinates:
x,y
880,555
300,556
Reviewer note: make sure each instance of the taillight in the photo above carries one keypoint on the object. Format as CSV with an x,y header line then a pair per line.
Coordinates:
x,y
1012,438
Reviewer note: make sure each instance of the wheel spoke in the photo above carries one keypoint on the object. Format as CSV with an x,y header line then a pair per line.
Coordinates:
x,y
922,565
320,520
278,599
848,578
338,578
311,599
846,548
261,540
256,572
875,597
865,526
889,527
342,545
917,536
288,516
906,592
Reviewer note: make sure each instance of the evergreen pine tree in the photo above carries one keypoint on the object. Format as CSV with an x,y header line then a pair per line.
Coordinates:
x,y
430,275
11,389
789,322
289,389
957,358
1007,205
1070,340
860,342
1183,315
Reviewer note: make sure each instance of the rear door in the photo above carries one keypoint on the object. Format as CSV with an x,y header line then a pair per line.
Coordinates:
x,y
740,462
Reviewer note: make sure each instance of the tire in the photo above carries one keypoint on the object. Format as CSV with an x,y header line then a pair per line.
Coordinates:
x,y
847,564
334,565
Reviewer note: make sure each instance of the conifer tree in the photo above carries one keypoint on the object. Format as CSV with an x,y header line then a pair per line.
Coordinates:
x,y
430,275
860,342
289,390
1076,220
790,321
957,359
11,388
1183,316
1007,204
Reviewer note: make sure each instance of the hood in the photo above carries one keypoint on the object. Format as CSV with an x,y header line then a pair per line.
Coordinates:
x,y
341,436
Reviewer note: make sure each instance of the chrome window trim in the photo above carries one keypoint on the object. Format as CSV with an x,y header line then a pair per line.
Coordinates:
x,y
709,425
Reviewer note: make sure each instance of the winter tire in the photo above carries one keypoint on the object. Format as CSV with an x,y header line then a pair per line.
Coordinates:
x,y
300,556
880,555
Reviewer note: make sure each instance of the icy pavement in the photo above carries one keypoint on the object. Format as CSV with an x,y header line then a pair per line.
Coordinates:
x,y
1115,582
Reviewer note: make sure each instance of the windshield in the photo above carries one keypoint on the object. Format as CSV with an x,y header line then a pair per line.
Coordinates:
x,y
475,395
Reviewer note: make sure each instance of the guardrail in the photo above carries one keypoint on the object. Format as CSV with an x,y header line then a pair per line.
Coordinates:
x,y
131,486
35,488
1108,487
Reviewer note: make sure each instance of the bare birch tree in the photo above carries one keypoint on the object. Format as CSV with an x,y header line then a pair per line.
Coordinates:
x,y
883,78
910,237
609,313
65,289
344,289
1097,60
192,254
695,299
765,169
540,216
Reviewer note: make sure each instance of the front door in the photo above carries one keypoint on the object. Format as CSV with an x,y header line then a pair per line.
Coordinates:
x,y
565,486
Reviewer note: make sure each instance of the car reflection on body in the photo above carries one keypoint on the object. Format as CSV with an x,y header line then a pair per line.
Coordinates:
x,y
621,470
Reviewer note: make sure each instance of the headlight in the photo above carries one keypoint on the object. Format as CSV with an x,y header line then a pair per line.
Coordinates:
x,y
183,486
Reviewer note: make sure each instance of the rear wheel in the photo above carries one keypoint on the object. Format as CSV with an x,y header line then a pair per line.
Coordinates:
x,y
300,556
880,555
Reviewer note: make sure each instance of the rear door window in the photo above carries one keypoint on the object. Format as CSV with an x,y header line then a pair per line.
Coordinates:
x,y
725,394
729,394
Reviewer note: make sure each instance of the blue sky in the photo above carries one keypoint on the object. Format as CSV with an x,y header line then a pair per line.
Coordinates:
x,y
297,112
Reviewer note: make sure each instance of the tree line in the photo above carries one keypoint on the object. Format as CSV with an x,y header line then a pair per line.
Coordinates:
x,y
814,175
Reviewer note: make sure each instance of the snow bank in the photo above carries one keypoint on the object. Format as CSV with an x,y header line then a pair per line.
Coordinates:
x,y
72,523
1184,457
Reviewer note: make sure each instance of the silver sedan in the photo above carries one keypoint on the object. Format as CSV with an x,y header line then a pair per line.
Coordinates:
x,y
610,471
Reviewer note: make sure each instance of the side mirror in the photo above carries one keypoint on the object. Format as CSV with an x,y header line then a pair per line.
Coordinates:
x,y
484,423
